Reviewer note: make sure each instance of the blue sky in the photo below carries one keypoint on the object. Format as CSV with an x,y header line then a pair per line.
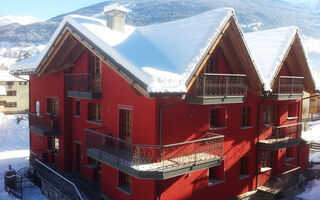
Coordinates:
x,y
42,9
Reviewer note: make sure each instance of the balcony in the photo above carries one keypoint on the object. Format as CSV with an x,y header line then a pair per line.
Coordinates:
x,y
154,161
288,88
213,88
44,125
83,86
280,136
275,184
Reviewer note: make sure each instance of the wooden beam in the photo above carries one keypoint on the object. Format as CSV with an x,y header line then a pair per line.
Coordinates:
x,y
53,50
204,61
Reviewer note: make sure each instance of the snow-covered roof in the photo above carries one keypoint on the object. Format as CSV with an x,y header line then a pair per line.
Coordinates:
x,y
3,90
6,76
115,6
162,56
268,49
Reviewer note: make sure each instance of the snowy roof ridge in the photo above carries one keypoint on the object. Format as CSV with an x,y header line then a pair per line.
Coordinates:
x,y
162,52
269,48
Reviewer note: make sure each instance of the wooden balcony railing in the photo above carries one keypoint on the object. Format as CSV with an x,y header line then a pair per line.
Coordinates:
x,y
44,124
154,161
281,136
83,85
288,87
213,88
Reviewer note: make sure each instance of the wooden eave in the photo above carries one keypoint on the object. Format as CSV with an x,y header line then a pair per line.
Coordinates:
x,y
297,64
231,41
68,47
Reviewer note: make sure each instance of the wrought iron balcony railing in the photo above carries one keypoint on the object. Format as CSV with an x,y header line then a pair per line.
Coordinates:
x,y
288,86
214,88
44,124
281,136
83,85
154,161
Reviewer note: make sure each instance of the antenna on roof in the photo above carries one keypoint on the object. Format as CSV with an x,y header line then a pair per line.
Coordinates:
x,y
115,16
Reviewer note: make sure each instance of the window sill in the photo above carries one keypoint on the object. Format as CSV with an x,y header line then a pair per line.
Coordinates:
x,y
244,176
94,122
218,128
265,169
124,190
215,182
292,118
268,124
245,127
288,159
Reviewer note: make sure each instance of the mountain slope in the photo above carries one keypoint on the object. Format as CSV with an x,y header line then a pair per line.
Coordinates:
x,y
267,13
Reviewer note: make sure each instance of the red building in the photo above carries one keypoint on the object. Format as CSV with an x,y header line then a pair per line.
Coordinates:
x,y
178,110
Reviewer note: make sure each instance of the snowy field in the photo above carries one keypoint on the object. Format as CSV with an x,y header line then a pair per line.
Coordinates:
x,y
14,150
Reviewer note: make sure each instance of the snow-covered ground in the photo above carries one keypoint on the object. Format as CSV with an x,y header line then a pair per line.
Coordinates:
x,y
14,150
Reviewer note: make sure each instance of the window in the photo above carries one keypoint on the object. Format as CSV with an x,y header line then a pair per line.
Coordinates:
x,y
216,174
23,83
10,84
243,167
11,93
125,124
37,103
94,112
77,108
52,106
269,114
292,110
245,117
210,64
124,181
266,159
95,66
217,118
11,104
53,143
56,144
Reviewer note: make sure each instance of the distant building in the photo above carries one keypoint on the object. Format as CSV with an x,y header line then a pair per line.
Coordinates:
x,y
14,94
188,109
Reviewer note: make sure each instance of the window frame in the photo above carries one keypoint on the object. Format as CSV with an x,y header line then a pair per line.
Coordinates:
x,y
243,167
94,112
77,108
266,160
11,93
124,182
11,104
246,117
53,106
269,114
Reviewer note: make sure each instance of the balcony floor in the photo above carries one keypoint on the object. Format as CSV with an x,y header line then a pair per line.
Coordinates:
x,y
207,100
283,97
157,170
43,131
278,143
85,95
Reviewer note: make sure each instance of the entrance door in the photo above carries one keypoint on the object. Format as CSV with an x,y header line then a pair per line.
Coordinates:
x,y
125,128
78,157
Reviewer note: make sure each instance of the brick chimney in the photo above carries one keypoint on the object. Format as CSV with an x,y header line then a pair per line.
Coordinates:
x,y
115,16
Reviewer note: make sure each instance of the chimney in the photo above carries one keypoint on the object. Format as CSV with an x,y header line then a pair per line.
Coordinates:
x,y
115,16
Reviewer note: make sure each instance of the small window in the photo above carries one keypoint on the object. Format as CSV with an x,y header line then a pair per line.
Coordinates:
x,y
292,110
53,143
11,104
218,118
10,84
11,93
37,104
52,106
77,108
23,83
216,174
94,112
245,117
124,181
269,114
266,159
243,167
